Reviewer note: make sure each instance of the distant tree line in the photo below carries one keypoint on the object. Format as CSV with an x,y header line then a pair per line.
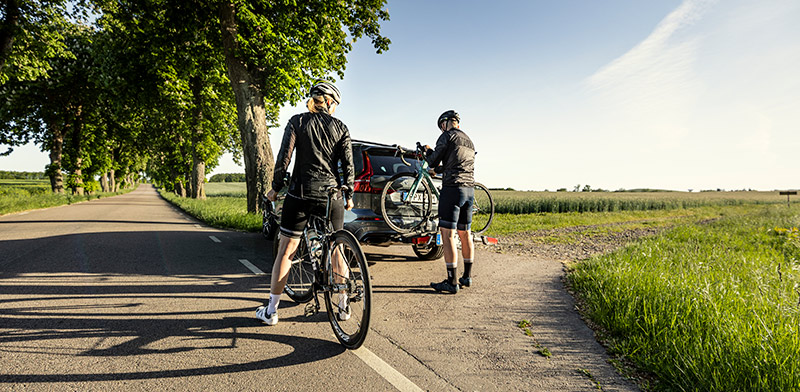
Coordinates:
x,y
16,175
228,177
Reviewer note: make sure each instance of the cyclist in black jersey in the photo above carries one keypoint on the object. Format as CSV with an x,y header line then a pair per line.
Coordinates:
x,y
456,154
321,142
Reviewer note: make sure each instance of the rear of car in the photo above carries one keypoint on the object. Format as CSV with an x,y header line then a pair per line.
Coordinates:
x,y
375,164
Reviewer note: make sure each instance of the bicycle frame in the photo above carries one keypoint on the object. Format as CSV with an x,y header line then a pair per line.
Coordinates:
x,y
422,174
322,230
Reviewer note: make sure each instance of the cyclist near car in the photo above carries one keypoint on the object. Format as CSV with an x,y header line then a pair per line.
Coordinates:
x,y
456,154
321,142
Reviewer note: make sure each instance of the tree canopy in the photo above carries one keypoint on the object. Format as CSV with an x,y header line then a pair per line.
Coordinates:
x,y
164,87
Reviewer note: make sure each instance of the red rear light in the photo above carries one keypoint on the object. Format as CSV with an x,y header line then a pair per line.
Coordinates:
x,y
368,218
362,182
488,240
421,240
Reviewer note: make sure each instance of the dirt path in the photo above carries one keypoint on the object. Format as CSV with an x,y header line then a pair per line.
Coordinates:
x,y
472,341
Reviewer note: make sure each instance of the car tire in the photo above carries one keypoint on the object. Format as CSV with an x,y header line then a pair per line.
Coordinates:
x,y
429,252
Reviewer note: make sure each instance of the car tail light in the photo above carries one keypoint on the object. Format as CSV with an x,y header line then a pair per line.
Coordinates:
x,y
362,182
421,240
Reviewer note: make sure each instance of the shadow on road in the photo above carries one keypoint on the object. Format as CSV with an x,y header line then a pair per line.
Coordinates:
x,y
142,297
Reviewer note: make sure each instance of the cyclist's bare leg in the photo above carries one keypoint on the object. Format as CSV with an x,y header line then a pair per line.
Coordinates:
x,y
467,245
450,251
340,267
280,269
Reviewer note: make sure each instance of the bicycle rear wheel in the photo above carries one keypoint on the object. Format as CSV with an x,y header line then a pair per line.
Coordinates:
x,y
405,216
354,282
301,275
482,209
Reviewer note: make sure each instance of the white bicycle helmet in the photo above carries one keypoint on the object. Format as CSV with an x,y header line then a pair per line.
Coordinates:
x,y
326,88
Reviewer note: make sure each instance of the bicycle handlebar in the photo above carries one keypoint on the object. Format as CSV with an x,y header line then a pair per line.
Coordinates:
x,y
402,151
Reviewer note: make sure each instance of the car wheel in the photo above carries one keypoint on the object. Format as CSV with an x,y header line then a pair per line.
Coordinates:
x,y
428,252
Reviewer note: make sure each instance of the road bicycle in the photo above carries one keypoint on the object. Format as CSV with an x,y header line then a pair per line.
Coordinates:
x,y
408,197
331,262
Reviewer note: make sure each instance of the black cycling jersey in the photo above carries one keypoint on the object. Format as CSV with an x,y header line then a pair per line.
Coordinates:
x,y
321,141
455,151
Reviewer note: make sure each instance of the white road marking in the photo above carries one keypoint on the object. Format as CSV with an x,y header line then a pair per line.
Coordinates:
x,y
385,370
390,374
215,239
251,267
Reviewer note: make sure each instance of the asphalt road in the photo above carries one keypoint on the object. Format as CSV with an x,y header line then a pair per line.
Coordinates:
x,y
128,293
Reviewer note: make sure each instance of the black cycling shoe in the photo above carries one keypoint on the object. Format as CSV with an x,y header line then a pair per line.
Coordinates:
x,y
445,286
465,282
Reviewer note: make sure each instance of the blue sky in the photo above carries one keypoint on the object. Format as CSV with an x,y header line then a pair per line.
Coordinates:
x,y
692,94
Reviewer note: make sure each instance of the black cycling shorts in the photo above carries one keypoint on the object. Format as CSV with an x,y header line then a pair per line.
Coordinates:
x,y
296,212
455,207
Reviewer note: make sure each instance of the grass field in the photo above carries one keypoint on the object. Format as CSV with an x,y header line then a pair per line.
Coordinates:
x,y
711,307
23,195
516,202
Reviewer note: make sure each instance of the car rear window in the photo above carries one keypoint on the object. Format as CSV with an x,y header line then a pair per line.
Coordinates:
x,y
389,165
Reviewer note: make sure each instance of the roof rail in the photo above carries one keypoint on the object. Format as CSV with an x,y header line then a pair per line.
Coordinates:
x,y
375,144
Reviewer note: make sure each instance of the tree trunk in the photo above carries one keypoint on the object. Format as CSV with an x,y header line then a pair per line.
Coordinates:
x,y
112,177
198,180
104,182
78,175
8,29
198,163
77,141
257,153
179,189
54,168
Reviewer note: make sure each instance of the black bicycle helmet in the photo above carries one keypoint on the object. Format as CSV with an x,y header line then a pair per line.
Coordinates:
x,y
327,88
448,115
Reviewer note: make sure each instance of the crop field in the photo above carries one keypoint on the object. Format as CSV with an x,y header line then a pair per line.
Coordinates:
x,y
230,189
713,307
517,202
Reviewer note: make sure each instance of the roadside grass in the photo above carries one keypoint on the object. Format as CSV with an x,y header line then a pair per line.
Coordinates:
x,y
711,307
218,210
24,195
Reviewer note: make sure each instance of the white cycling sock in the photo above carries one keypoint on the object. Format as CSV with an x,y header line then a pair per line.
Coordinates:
x,y
274,300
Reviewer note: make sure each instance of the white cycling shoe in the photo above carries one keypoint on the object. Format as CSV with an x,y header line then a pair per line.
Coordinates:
x,y
269,319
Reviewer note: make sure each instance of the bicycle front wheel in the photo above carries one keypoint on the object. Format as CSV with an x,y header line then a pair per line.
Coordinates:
x,y
349,303
405,216
482,209
301,274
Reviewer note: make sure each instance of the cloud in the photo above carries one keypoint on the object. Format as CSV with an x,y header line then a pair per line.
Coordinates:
x,y
654,58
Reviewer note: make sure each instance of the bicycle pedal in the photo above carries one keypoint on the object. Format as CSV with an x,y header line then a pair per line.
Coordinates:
x,y
310,310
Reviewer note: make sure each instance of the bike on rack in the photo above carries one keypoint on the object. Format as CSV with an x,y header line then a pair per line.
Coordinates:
x,y
330,262
407,198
